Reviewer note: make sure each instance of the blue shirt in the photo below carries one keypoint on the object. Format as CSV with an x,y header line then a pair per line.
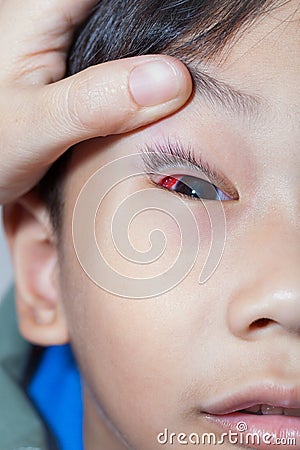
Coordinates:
x,y
56,392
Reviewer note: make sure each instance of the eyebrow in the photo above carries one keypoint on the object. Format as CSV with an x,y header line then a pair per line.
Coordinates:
x,y
220,94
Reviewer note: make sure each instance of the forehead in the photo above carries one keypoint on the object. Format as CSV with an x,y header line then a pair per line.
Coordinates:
x,y
259,68
266,25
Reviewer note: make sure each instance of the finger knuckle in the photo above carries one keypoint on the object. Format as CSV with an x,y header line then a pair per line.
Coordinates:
x,y
95,104
86,103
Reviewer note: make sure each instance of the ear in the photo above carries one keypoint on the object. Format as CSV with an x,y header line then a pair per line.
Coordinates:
x,y
33,248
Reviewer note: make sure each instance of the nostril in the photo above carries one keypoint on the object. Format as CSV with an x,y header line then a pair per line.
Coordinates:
x,y
261,323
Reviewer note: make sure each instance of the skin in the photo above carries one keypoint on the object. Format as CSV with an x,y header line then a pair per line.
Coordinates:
x,y
149,364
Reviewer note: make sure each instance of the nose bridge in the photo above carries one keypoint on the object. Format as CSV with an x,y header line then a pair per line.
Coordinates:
x,y
268,294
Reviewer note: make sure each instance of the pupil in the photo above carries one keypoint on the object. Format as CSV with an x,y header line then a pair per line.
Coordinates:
x,y
194,187
185,189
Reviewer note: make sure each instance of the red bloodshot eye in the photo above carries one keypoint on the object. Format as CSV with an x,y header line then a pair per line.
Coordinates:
x,y
168,182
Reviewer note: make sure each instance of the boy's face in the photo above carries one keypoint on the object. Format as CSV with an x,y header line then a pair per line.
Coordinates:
x,y
234,341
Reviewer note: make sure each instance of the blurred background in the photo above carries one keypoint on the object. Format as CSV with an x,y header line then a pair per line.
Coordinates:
x,y
5,265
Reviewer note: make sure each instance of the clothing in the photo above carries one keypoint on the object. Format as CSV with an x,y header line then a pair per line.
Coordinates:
x,y
40,395
56,391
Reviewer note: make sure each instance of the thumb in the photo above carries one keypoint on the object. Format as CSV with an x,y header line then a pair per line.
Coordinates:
x,y
111,98
39,123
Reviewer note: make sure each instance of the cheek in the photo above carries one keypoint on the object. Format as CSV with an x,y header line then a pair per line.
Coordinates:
x,y
139,355
129,353
146,232
142,331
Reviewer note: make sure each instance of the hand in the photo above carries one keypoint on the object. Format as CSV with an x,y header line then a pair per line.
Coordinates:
x,y
42,115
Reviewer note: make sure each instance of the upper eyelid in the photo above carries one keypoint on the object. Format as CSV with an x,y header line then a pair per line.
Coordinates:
x,y
172,154
154,161
160,155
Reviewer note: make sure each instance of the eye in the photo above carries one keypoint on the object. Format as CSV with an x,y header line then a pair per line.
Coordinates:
x,y
192,187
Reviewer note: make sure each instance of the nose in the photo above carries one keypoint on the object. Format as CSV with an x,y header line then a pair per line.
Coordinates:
x,y
255,312
267,300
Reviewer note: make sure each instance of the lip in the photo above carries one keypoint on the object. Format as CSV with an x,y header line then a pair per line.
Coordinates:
x,y
273,395
259,432
226,415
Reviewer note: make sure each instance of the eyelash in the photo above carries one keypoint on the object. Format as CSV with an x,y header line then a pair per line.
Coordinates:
x,y
172,154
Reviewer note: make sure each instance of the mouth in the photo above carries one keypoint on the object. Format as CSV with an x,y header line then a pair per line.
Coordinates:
x,y
259,400
263,411
269,410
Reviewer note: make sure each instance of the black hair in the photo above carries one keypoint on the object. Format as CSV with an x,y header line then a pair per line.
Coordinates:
x,y
187,29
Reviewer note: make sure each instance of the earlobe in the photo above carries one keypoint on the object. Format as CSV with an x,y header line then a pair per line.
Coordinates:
x,y
33,249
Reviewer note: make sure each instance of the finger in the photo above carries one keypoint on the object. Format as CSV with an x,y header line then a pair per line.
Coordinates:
x,y
119,96
39,124
34,32
111,98
71,11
